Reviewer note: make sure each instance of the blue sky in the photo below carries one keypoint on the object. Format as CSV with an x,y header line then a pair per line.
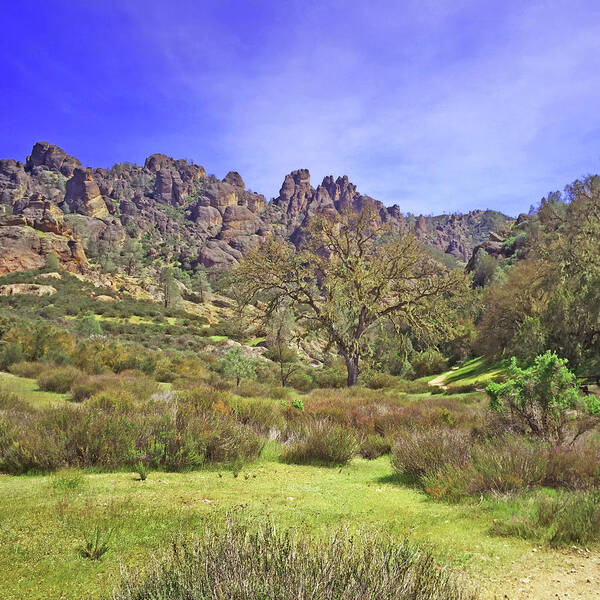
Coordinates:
x,y
438,106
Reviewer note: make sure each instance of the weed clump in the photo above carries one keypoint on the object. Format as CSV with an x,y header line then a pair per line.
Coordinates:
x,y
322,442
238,563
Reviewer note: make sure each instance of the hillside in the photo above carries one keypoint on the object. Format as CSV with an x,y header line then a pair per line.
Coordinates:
x,y
50,203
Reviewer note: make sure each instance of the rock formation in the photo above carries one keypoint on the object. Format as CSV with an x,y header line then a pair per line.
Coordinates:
x,y
183,213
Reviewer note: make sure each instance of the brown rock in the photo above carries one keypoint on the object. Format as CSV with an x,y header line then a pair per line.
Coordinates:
x,y
219,254
237,220
235,179
220,196
83,195
52,158
27,288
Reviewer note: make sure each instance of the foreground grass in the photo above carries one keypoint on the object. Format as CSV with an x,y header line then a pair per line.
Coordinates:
x,y
28,390
42,523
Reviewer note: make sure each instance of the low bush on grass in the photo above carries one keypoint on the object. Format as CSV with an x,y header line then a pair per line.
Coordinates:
x,y
561,519
67,480
500,465
451,464
322,442
237,563
114,430
29,369
96,542
574,467
428,362
374,446
420,452
58,379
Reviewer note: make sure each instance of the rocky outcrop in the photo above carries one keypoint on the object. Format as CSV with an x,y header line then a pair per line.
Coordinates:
x,y
22,247
186,215
52,158
83,195
27,288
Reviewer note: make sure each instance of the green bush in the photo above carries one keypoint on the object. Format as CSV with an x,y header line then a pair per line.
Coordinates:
x,y
374,446
9,355
241,563
542,399
28,369
559,520
322,442
421,452
376,380
428,362
58,379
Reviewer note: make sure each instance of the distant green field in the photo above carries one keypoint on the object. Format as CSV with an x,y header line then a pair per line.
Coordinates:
x,y
28,390
475,372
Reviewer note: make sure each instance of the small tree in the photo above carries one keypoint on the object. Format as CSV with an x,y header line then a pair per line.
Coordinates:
x,y
237,365
200,284
544,400
279,340
131,256
52,263
169,288
88,325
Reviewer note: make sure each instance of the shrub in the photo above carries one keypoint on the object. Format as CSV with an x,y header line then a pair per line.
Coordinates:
x,y
540,400
28,369
417,453
114,430
324,443
428,362
96,542
67,479
413,387
507,464
376,380
9,355
241,563
574,467
561,519
58,379
374,446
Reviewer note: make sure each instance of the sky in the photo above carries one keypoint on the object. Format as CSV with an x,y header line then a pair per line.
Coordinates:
x,y
434,105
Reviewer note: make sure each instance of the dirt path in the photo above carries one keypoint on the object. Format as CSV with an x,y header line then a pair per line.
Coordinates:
x,y
568,575
439,380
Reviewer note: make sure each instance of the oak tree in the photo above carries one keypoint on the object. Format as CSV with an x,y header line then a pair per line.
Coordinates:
x,y
350,272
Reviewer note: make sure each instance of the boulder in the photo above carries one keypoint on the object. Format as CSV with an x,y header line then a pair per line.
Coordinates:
x,y
27,288
235,179
238,220
42,214
24,248
220,196
219,255
51,158
13,181
83,195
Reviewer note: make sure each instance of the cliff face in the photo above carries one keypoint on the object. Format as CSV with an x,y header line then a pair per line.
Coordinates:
x,y
186,215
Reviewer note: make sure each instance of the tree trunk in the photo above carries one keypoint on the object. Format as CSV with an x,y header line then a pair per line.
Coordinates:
x,y
352,367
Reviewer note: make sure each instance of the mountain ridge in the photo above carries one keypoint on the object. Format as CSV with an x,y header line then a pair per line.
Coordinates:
x,y
184,215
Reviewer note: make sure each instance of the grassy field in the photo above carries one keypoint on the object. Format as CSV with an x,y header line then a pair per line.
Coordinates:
x,y
43,521
475,372
28,390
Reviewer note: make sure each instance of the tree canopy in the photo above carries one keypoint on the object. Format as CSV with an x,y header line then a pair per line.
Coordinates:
x,y
350,272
